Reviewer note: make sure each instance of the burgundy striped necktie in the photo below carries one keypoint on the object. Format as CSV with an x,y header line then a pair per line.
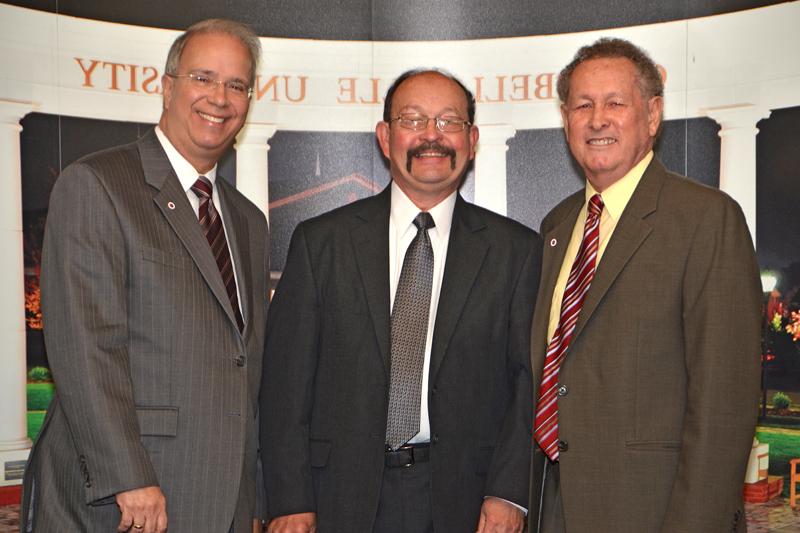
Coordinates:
x,y
211,223
580,277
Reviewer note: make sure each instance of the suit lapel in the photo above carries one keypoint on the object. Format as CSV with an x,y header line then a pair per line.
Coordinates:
x,y
171,200
466,251
370,238
556,242
237,233
631,231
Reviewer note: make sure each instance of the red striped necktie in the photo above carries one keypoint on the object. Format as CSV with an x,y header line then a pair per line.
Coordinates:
x,y
211,223
580,278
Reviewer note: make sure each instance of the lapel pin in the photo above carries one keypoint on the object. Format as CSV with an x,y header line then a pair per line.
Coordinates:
x,y
553,242
171,205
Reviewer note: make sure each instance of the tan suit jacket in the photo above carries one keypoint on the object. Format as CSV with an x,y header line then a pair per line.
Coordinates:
x,y
155,383
662,376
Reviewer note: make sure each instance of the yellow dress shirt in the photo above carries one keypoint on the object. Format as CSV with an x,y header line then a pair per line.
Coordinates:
x,y
615,199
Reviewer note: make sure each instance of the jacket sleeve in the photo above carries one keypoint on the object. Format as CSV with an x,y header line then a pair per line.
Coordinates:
x,y
86,330
290,363
721,321
508,477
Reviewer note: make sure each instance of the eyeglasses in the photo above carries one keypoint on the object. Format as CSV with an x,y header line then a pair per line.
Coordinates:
x,y
204,82
420,122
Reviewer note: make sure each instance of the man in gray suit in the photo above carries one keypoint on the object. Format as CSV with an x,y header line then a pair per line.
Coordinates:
x,y
645,342
154,318
357,434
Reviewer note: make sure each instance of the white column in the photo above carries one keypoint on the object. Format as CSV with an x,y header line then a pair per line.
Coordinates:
x,y
737,158
252,171
14,443
490,166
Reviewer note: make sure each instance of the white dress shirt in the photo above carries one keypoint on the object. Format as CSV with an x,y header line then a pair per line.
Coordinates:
x,y
401,232
187,175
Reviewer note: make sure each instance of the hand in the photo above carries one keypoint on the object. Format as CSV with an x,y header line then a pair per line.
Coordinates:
x,y
293,523
499,516
145,507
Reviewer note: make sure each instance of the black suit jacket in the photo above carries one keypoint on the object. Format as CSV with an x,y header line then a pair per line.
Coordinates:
x,y
326,374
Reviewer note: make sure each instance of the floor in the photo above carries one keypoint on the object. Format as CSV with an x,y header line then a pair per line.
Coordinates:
x,y
771,517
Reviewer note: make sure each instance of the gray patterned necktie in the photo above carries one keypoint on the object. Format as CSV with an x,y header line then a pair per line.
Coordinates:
x,y
409,329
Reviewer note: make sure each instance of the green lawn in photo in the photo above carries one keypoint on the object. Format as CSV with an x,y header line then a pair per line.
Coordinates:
x,y
35,420
39,396
784,445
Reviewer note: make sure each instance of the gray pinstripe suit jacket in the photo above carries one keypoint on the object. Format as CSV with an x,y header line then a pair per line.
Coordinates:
x,y
155,384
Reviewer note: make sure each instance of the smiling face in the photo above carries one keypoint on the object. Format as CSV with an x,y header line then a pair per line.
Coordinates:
x,y
201,124
428,164
609,124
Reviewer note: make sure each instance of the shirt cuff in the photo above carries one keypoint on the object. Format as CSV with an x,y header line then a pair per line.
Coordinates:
x,y
521,508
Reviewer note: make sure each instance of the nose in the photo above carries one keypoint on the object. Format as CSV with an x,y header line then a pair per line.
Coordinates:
x,y
431,132
598,120
218,95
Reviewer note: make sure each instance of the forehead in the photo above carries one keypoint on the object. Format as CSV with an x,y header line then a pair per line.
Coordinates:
x,y
215,51
430,92
607,74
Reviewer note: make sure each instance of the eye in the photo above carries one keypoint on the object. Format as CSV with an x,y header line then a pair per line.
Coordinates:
x,y
236,86
413,121
202,79
585,105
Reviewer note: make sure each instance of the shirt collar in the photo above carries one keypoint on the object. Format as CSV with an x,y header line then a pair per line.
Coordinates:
x,y
186,173
617,196
403,212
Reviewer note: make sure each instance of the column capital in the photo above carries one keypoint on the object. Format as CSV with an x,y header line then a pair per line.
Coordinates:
x,y
495,134
256,133
738,117
12,111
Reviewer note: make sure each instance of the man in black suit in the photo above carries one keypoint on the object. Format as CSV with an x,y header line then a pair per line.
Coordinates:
x,y
396,392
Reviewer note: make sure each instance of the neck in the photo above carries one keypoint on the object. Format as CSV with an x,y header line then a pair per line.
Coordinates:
x,y
425,201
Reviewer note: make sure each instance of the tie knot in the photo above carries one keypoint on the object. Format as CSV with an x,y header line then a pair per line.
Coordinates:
x,y
424,221
596,205
202,187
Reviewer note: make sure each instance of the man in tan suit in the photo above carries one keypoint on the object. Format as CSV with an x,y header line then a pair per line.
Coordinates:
x,y
154,288
646,378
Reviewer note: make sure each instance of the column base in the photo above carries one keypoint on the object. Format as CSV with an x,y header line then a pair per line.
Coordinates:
x,y
12,466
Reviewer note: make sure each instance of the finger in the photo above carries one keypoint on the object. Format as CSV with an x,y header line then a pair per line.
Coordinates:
x,y
161,523
125,522
481,523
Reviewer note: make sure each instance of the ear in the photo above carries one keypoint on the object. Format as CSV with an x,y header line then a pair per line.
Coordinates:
x,y
382,133
655,108
166,90
473,140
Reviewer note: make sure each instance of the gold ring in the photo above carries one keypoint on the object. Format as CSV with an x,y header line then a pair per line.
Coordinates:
x,y
137,526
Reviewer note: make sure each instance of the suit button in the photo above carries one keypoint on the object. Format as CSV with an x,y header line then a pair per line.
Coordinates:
x,y
434,390
562,390
240,360
435,439
563,446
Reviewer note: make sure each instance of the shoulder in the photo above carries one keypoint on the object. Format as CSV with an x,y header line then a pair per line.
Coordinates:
x,y
685,197
562,209
100,169
499,225
241,202
372,209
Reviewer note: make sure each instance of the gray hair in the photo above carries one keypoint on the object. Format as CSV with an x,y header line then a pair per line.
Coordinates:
x,y
650,82
229,27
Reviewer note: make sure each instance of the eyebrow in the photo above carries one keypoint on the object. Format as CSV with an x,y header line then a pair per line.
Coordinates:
x,y
215,74
411,108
